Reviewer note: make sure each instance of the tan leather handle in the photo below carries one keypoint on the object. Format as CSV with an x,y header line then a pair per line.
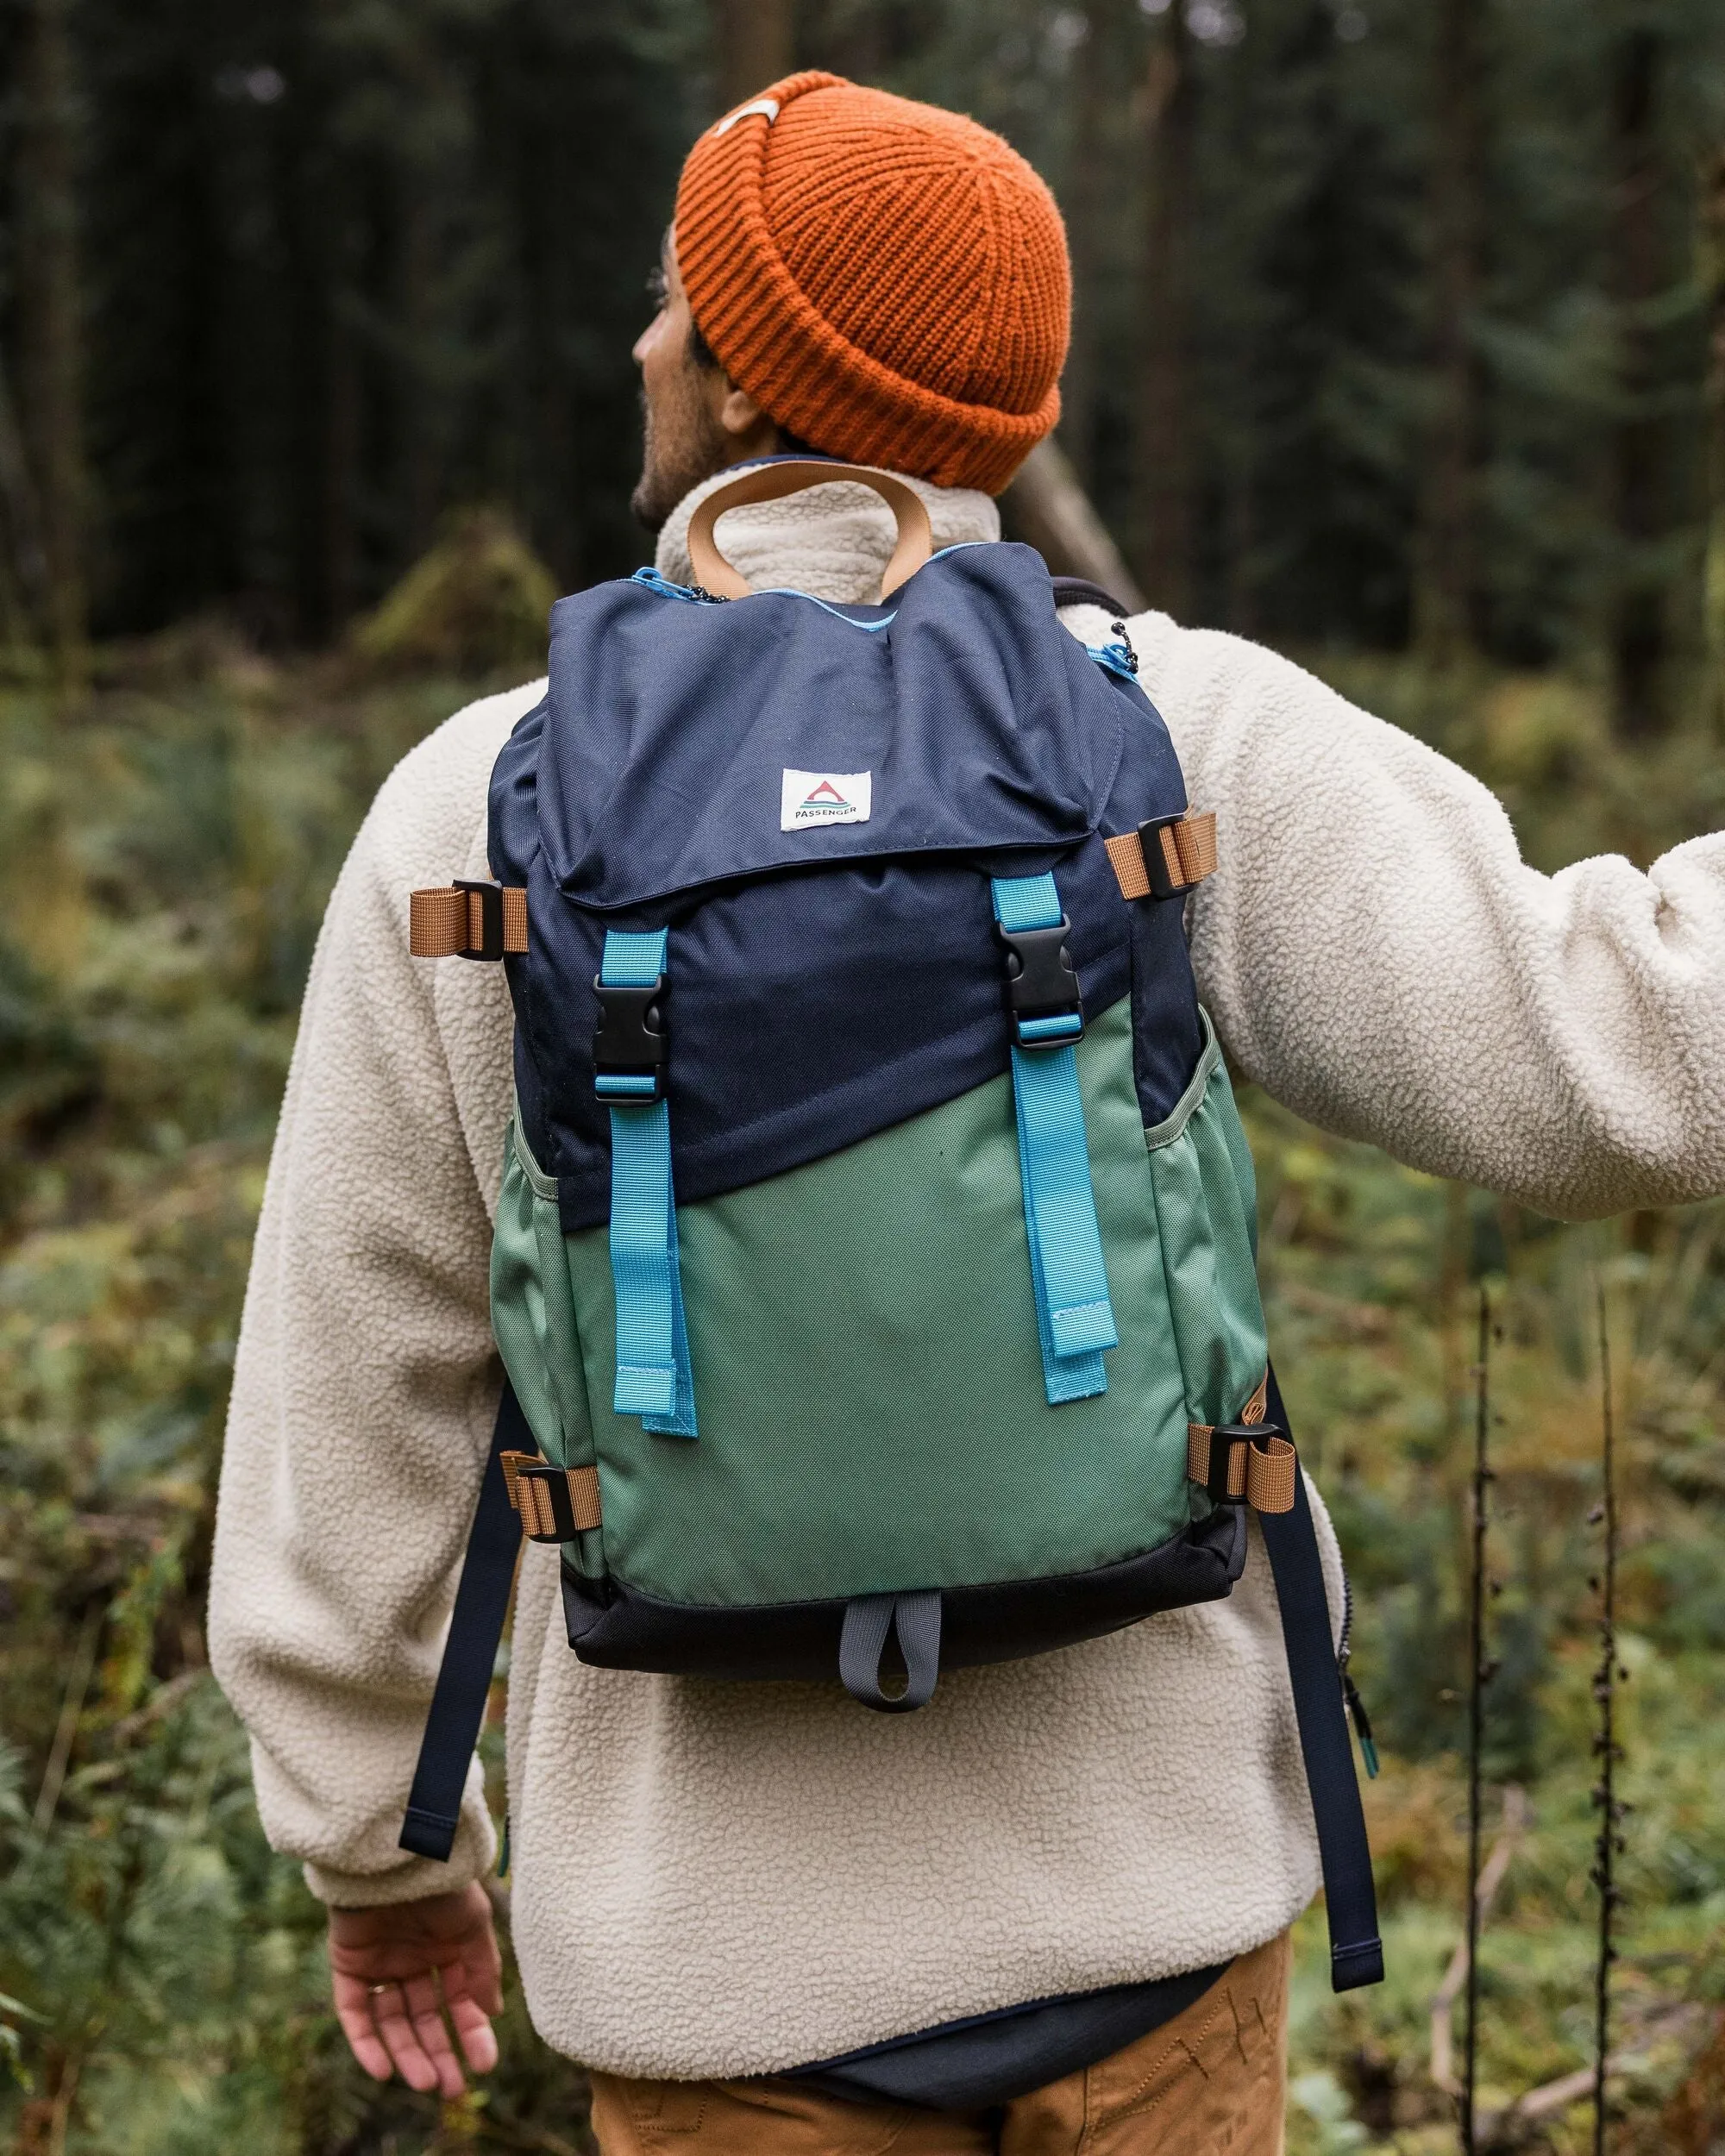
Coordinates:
x,y
770,482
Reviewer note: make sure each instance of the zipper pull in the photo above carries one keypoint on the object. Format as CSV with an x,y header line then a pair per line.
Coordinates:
x,y
1362,1726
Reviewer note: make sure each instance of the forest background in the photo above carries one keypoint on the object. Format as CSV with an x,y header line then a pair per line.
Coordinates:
x,y
1400,344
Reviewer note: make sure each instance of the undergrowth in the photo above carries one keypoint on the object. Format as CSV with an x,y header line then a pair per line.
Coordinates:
x,y
165,852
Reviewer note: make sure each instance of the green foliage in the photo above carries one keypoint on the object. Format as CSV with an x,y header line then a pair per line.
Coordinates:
x,y
476,603
165,856
165,863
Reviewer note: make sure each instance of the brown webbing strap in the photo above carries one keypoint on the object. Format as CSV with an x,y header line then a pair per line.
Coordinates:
x,y
553,1502
437,922
1126,853
515,915
449,922
1262,1474
1192,840
1186,850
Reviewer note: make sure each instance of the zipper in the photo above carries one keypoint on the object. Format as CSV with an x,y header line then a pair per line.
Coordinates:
x,y
1355,1704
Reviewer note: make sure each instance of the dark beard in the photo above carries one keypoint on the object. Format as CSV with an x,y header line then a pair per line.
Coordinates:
x,y
684,445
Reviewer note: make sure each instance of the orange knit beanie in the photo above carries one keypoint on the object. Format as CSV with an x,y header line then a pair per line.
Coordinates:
x,y
887,281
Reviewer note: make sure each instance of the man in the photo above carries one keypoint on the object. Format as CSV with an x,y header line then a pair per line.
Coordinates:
x,y
1053,1906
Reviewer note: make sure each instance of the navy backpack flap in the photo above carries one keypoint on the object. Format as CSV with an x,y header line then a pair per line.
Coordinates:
x,y
767,778
965,717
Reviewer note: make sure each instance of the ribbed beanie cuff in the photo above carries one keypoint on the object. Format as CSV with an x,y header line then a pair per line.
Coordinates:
x,y
887,280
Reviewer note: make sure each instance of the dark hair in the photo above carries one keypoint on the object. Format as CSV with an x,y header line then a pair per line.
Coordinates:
x,y
708,360
699,350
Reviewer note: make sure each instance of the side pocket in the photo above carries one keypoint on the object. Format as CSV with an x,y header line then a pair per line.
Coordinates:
x,y
1206,1201
533,1318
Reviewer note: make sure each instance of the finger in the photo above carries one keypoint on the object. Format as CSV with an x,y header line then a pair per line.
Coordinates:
x,y
470,2010
426,2007
478,1976
473,2031
400,2036
353,2012
482,1970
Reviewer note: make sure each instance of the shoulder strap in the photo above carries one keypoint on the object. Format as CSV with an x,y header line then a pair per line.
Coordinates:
x,y
458,1704
1079,590
1290,1538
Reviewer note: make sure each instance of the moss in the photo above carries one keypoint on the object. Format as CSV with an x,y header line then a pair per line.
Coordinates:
x,y
476,603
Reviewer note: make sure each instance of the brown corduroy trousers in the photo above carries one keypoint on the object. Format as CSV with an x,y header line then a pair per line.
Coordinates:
x,y
1212,2080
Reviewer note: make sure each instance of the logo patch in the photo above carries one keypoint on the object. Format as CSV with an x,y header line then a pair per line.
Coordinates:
x,y
825,797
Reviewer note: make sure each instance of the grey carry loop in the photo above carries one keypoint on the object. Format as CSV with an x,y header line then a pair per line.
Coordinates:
x,y
869,1620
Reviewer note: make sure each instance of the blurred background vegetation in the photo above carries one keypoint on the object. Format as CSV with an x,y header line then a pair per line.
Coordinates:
x,y
1401,343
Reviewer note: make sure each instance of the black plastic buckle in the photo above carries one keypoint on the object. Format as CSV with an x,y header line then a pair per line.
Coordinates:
x,y
556,1485
630,1040
490,919
1223,1439
1162,885
1042,982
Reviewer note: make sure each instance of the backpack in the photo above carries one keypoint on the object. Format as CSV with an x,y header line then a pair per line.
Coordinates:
x,y
874,1271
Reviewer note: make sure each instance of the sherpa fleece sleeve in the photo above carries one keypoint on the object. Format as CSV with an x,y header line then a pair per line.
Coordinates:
x,y
1377,955
366,1382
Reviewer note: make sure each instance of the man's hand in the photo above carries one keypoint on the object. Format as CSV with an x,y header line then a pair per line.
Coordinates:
x,y
389,1966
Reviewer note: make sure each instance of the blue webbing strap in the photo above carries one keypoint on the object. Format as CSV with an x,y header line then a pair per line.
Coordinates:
x,y
458,1702
1075,1320
1350,1901
653,1375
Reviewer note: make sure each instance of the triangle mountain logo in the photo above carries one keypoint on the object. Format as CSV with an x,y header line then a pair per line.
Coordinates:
x,y
809,797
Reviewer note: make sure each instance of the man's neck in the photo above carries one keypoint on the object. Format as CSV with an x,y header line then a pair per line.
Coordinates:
x,y
832,542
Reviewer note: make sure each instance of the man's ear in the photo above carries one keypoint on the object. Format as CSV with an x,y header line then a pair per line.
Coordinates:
x,y
750,431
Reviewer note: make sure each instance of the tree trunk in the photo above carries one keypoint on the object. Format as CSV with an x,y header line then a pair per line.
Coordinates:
x,y
755,41
422,393
50,329
1641,478
342,448
1444,625
23,573
1046,506
1713,274
1087,210
1162,459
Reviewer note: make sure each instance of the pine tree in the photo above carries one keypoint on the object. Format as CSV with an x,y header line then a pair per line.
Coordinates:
x,y
1162,447
51,330
1641,478
755,47
1445,611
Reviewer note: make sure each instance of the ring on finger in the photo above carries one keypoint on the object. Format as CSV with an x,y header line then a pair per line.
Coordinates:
x,y
377,1990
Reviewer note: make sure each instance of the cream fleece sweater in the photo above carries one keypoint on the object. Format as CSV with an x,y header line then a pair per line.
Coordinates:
x,y
721,1879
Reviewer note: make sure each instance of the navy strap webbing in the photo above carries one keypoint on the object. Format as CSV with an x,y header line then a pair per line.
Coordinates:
x,y
458,1703
1351,1900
